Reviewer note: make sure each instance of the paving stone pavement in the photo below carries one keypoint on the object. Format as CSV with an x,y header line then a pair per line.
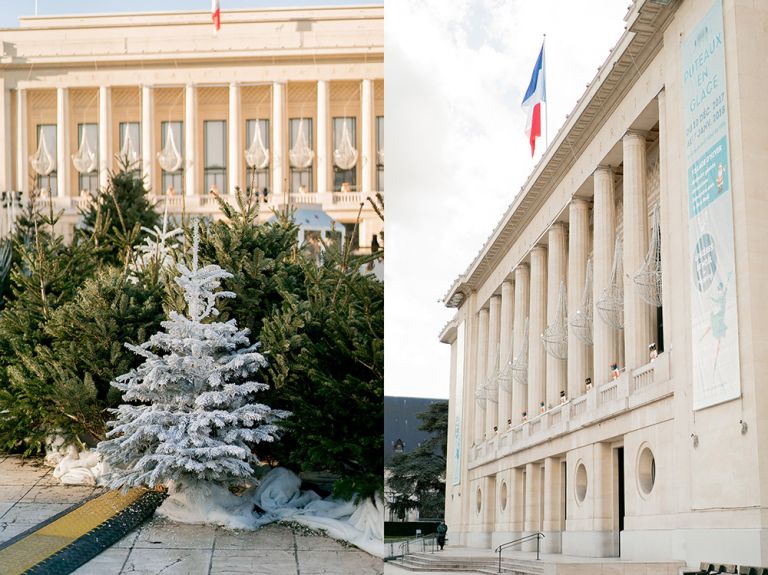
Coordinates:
x,y
29,494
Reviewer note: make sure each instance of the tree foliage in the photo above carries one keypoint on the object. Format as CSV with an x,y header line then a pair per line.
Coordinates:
x,y
417,478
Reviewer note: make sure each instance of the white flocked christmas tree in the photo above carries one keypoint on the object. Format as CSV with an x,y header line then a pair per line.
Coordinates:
x,y
190,418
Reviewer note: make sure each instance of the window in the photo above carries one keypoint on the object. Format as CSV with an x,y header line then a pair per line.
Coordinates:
x,y
89,182
134,132
48,182
173,181
258,178
215,170
301,179
380,153
351,232
341,177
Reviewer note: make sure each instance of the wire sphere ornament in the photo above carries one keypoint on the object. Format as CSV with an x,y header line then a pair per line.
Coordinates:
x,y
128,154
41,161
169,158
520,363
610,304
581,322
301,154
85,158
648,278
555,336
345,157
257,155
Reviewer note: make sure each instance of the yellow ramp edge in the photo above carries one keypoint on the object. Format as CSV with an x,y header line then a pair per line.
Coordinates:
x,y
49,540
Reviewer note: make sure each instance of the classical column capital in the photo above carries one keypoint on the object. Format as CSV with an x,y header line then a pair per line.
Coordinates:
x,y
580,202
522,266
603,169
633,135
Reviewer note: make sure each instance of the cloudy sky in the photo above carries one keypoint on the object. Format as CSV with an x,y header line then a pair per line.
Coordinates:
x,y
457,153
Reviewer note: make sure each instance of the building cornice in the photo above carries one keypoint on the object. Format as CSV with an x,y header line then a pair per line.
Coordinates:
x,y
632,54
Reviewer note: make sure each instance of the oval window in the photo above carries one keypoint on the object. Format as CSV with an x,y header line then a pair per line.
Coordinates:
x,y
581,482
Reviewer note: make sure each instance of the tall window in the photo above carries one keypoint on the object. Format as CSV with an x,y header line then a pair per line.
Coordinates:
x,y
258,179
340,176
380,153
134,131
48,182
215,171
173,180
301,179
89,182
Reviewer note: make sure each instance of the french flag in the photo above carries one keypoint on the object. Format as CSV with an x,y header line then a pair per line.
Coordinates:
x,y
534,97
216,14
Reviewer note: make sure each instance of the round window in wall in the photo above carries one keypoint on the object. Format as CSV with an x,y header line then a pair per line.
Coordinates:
x,y
503,495
581,482
479,502
646,470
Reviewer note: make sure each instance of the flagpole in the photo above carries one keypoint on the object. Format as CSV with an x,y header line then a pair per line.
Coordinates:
x,y
546,103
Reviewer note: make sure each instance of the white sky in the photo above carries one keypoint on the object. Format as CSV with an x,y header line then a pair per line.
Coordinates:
x,y
457,154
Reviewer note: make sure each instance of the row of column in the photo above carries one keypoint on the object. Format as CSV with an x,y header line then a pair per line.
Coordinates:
x,y
533,295
236,145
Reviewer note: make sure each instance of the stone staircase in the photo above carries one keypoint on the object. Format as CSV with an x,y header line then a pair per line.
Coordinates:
x,y
486,565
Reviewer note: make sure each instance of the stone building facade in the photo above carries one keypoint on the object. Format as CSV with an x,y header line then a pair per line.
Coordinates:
x,y
606,393
279,72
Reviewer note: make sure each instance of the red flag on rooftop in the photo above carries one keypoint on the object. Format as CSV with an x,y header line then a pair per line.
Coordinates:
x,y
216,14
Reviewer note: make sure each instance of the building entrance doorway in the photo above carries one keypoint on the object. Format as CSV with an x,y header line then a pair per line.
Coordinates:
x,y
619,496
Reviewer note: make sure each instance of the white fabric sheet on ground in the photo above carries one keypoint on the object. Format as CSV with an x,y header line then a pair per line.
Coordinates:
x,y
79,468
280,497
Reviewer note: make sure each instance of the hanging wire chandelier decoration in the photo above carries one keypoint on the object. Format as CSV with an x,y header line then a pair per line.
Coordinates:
x,y
257,155
301,154
555,336
128,154
480,396
169,158
85,158
491,381
581,322
610,305
648,278
345,156
41,161
504,374
520,363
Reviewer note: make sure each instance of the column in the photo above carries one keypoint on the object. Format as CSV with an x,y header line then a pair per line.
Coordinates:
x,y
516,500
579,354
532,502
323,164
62,144
482,345
637,313
664,201
492,351
505,349
522,299
190,129
278,105
367,141
235,147
605,349
553,502
6,180
147,136
22,155
537,362
603,526
556,273
105,136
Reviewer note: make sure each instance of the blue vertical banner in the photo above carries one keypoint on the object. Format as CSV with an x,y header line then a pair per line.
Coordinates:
x,y
457,407
714,322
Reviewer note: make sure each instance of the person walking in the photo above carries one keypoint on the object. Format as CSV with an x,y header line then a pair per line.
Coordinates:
x,y
441,531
